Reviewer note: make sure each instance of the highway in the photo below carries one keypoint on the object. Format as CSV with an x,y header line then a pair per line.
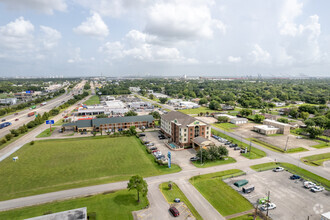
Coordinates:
x,y
24,119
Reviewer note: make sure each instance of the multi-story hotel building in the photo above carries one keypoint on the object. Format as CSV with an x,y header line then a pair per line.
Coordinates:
x,y
182,129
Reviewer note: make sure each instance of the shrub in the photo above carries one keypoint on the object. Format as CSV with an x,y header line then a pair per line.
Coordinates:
x,y
8,137
32,143
3,141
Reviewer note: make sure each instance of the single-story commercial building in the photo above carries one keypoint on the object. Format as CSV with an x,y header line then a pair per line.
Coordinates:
x,y
112,124
75,214
237,121
265,129
284,128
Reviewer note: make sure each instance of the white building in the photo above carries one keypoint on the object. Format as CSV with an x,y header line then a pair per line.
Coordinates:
x,y
185,104
279,104
134,89
8,101
159,95
233,119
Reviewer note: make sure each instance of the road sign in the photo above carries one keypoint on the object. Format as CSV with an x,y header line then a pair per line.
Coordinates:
x,y
28,92
169,159
49,122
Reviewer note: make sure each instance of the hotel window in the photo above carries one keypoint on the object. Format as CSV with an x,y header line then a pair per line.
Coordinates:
x,y
207,132
202,133
207,128
185,130
185,139
185,135
190,129
190,134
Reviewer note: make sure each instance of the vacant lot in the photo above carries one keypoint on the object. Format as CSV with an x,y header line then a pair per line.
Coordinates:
x,y
293,201
51,165
222,197
196,111
245,130
114,205
93,100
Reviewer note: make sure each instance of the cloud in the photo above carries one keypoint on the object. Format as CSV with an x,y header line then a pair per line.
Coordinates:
x,y
181,20
50,37
260,55
234,59
75,56
45,6
114,50
290,10
93,26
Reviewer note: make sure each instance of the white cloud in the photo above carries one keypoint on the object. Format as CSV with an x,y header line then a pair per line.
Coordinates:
x,y
94,26
234,59
113,50
260,55
50,37
45,6
181,20
290,10
75,56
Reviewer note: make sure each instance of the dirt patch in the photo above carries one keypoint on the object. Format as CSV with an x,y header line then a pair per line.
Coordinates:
x,y
209,120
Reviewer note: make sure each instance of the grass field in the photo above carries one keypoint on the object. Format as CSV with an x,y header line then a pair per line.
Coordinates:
x,y
197,110
46,133
316,160
93,100
213,163
295,170
113,205
246,217
276,149
52,165
255,153
225,126
223,198
176,192
322,144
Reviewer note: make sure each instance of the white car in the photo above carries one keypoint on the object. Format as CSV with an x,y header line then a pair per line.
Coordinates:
x,y
268,206
309,184
317,189
278,169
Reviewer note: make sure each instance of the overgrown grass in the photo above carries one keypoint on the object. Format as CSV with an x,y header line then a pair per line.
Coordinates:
x,y
46,133
276,149
223,198
197,110
322,144
52,165
93,100
294,170
255,153
316,160
213,163
112,205
225,126
170,195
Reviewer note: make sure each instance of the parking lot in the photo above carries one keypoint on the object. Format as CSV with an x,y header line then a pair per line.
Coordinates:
x,y
292,200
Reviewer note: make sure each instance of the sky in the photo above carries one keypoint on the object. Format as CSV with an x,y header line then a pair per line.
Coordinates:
x,y
274,38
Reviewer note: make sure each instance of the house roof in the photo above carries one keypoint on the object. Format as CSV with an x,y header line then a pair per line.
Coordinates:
x,y
239,119
98,121
181,118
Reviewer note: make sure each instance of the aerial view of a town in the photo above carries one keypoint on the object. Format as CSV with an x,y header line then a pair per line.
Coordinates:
x,y
164,109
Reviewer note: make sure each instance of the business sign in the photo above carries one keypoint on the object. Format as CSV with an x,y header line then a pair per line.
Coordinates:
x,y
49,122
169,159
28,92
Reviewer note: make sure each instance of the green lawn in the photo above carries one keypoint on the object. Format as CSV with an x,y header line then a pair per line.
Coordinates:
x,y
316,160
255,153
225,126
59,122
46,133
223,198
246,217
276,149
170,195
322,144
93,100
213,163
197,110
52,165
112,205
294,170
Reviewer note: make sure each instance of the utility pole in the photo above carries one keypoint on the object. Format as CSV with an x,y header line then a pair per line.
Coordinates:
x,y
250,148
286,145
268,199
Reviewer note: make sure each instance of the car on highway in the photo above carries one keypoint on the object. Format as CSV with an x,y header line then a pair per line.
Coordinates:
x,y
174,211
317,189
278,169
309,184
294,177
16,119
3,119
16,113
194,158
267,206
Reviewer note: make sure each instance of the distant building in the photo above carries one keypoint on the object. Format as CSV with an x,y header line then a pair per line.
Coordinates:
x,y
272,127
232,119
8,101
73,214
265,129
182,129
134,89
159,95
279,104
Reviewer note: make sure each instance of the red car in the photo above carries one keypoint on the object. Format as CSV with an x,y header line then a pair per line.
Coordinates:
x,y
174,211
16,119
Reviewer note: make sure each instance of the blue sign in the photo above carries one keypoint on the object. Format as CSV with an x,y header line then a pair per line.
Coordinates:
x,y
49,122
28,91
169,159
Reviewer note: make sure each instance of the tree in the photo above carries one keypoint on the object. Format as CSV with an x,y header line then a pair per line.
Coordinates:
x,y
155,114
246,112
15,132
139,184
293,112
309,123
320,121
132,130
214,105
163,100
151,96
259,118
8,137
314,131
101,116
283,120
304,115
223,119
130,113
202,101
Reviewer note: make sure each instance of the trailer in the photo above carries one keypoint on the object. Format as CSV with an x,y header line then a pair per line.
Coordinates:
x,y
31,114
6,124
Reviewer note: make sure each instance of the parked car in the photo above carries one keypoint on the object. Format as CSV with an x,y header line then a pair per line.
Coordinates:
x,y
161,136
16,113
194,158
237,148
268,206
232,145
309,184
153,148
3,119
142,135
317,189
177,200
174,211
155,151
16,119
263,200
278,169
248,189
150,144
295,177
228,143
146,142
